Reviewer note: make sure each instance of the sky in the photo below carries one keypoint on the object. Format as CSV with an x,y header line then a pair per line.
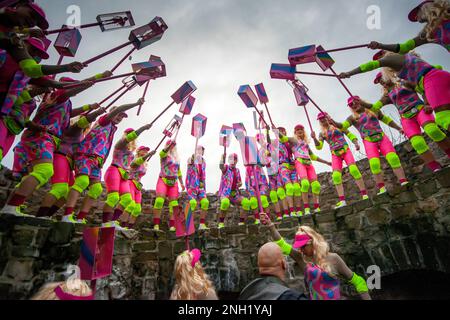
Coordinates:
x,y
222,44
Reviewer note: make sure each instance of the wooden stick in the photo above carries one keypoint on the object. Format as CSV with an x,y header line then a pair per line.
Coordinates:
x,y
343,48
123,59
143,95
316,74
342,82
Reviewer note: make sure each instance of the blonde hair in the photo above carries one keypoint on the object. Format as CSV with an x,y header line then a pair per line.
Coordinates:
x,y
74,287
74,120
303,138
321,249
190,282
434,13
324,129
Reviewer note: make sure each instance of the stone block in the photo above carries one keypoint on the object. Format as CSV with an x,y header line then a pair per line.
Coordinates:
x,y
20,269
324,218
427,188
361,205
377,216
61,233
164,250
354,221
412,251
24,252
444,177
144,246
344,211
23,235
122,247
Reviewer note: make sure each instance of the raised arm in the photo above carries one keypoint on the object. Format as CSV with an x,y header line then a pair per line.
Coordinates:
x,y
401,48
352,278
124,108
285,247
389,121
394,61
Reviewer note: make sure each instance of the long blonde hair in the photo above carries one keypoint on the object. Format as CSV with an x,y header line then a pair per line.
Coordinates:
x,y
190,282
74,287
131,145
321,250
324,130
304,138
434,13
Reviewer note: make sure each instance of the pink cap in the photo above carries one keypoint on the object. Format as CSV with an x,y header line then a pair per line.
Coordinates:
x,y
378,78
301,240
282,128
378,55
196,254
322,115
143,148
352,99
40,14
412,16
299,127
39,45
129,130
67,296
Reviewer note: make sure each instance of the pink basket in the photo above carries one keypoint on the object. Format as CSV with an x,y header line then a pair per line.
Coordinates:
x,y
261,92
282,71
198,125
67,42
302,55
300,96
184,221
187,105
323,59
248,96
250,153
184,91
149,33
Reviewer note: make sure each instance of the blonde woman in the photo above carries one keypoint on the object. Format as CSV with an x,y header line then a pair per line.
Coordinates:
x,y
323,269
375,140
436,16
72,289
340,152
167,185
117,176
304,167
191,281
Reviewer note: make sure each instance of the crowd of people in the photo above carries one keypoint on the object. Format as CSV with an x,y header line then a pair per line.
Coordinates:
x,y
67,147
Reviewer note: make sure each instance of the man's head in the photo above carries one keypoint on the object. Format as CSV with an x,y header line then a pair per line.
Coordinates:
x,y
271,261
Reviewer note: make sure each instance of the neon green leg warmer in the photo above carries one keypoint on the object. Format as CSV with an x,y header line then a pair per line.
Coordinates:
x,y
419,144
81,183
393,160
290,189
60,190
315,187
273,197
193,204
224,204
298,190
125,200
253,203
433,131
42,172
159,203
281,194
264,202
354,171
443,119
375,165
245,204
112,199
305,185
95,191
137,210
337,178
204,204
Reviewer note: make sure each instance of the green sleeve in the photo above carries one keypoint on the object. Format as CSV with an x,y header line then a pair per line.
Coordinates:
x,y
163,154
346,124
407,46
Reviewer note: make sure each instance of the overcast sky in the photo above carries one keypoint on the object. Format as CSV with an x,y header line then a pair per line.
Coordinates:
x,y
222,44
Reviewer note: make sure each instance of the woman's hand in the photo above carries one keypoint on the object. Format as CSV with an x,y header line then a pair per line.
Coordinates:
x,y
344,75
75,67
374,45
264,218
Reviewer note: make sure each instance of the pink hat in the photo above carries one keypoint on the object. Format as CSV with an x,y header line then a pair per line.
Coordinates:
x,y
129,130
143,148
352,99
322,115
39,45
378,55
299,127
412,16
301,240
282,128
378,78
196,254
40,15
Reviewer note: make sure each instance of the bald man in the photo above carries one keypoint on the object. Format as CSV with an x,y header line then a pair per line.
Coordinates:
x,y
271,285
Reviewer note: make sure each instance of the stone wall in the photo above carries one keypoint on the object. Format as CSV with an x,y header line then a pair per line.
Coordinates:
x,y
405,229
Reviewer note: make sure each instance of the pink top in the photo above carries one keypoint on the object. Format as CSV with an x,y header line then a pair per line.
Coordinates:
x,y
301,150
405,99
170,169
368,125
335,138
122,157
442,34
414,69
137,173
55,117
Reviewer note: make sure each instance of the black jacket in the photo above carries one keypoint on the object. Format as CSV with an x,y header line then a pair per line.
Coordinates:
x,y
270,288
